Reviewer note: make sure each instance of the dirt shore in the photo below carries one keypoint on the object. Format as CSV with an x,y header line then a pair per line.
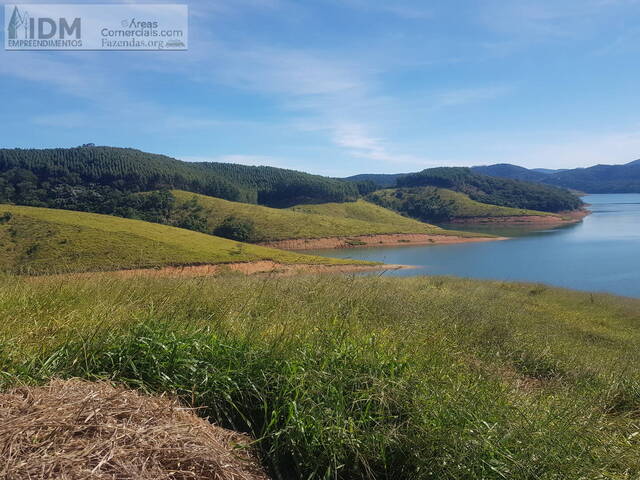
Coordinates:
x,y
373,241
561,218
262,267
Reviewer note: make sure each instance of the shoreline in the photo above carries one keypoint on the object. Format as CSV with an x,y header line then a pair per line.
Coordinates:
x,y
378,240
556,219
407,239
260,267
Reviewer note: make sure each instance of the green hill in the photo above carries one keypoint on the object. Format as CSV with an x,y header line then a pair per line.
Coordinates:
x,y
493,190
41,240
382,180
440,204
363,211
307,221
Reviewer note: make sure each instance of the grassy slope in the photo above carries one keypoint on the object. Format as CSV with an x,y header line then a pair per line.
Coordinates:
x,y
313,221
468,208
363,211
464,207
43,240
342,377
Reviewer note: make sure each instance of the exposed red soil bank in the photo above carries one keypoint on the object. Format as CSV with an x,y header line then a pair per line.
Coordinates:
x,y
265,267
561,218
373,241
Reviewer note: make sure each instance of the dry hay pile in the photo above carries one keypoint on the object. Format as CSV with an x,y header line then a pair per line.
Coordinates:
x,y
79,430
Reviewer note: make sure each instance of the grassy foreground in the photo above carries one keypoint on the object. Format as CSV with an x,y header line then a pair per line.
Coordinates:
x,y
41,240
312,221
351,378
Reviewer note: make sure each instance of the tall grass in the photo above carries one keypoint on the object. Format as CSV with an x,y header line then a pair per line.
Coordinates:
x,y
352,377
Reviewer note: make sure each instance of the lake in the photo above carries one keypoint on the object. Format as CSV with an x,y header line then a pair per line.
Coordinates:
x,y
601,253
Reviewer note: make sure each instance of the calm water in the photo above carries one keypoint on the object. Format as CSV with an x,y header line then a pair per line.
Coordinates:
x,y
602,253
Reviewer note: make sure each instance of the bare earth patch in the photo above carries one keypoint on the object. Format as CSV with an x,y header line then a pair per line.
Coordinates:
x,y
262,267
396,239
256,268
79,430
561,218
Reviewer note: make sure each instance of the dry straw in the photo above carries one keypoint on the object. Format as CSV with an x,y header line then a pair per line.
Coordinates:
x,y
78,430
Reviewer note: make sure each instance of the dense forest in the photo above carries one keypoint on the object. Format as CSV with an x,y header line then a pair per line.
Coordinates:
x,y
380,180
422,203
515,172
494,190
94,178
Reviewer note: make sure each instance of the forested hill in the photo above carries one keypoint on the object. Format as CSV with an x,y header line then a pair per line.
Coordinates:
x,y
69,178
493,190
514,172
600,178
384,180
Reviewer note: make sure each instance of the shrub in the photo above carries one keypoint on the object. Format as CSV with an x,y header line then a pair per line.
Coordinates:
x,y
236,228
5,217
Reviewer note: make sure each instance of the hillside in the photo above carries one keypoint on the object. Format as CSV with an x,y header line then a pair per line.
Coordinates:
x,y
364,211
494,190
97,179
380,179
596,179
307,221
514,172
40,240
600,178
356,377
441,205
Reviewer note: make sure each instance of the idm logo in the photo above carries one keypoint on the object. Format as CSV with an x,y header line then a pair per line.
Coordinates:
x,y
24,26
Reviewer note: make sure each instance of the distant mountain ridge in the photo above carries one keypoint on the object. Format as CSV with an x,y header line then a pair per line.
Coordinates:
x,y
597,179
514,172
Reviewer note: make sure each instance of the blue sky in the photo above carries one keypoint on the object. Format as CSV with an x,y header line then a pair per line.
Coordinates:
x,y
339,87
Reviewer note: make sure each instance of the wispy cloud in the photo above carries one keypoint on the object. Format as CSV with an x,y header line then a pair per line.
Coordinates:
x,y
69,74
465,96
400,8
548,20
285,71
355,138
62,120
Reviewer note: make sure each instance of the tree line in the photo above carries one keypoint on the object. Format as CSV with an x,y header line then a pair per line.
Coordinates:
x,y
78,178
